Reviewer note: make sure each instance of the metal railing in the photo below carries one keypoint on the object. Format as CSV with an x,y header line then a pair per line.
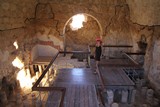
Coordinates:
x,y
115,46
110,47
37,86
79,52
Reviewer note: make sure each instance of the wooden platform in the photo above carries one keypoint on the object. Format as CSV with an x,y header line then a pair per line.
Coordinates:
x,y
76,76
115,76
76,96
80,83
118,63
80,88
113,73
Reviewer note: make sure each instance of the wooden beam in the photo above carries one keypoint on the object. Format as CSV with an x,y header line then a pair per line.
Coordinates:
x,y
122,46
49,89
73,52
135,53
122,65
115,46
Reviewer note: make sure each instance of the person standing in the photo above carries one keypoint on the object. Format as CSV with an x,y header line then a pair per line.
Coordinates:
x,y
98,52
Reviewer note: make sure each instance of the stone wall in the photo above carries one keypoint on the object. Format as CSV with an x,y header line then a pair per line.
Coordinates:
x,y
152,63
31,23
145,12
14,13
44,20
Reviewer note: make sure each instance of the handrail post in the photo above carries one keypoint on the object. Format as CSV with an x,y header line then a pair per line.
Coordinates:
x,y
88,55
40,93
48,75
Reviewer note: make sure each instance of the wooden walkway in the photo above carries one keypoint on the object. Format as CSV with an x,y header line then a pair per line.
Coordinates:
x,y
76,96
80,83
115,76
80,88
118,63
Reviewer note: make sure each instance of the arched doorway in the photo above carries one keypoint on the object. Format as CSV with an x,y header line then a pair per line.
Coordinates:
x,y
85,14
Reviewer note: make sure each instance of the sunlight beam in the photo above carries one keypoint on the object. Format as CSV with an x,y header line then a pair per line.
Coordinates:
x,y
77,21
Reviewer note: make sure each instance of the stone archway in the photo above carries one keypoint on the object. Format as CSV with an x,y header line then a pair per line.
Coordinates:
x,y
64,28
